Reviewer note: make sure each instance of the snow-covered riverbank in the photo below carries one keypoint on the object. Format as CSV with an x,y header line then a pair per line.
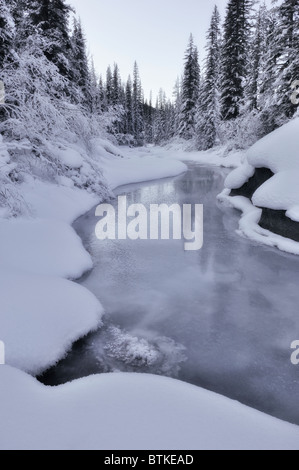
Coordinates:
x,y
42,313
278,154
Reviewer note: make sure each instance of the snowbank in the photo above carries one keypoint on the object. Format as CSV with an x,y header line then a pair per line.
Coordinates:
x,y
177,151
42,246
278,152
61,202
136,169
127,411
281,192
41,317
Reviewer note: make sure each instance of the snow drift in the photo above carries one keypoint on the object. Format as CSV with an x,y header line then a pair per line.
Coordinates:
x,y
277,152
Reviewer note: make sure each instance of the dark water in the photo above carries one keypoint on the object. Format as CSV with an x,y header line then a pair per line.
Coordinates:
x,y
222,318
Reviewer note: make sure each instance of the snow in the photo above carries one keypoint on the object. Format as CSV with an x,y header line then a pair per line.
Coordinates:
x,y
42,246
249,224
42,314
176,150
40,318
281,192
67,155
60,202
136,169
130,411
278,150
239,176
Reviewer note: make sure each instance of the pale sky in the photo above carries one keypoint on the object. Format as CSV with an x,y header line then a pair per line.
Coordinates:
x,y
153,32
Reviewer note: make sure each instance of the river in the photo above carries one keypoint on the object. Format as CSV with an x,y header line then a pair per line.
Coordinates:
x,y
222,318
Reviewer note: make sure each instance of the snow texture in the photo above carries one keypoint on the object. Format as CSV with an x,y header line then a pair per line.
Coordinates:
x,y
279,152
62,202
130,411
41,317
42,314
136,169
177,150
42,246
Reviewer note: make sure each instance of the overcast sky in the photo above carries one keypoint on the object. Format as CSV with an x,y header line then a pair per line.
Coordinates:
x,y
153,32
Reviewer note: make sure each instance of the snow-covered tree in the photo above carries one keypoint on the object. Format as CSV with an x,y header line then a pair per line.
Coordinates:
x,y
116,86
288,62
109,86
177,96
190,89
7,32
51,17
237,30
137,106
257,59
79,60
129,107
208,112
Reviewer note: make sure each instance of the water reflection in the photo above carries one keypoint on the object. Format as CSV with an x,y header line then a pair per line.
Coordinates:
x,y
232,306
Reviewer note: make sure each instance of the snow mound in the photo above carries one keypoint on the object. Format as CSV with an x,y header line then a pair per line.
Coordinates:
x,y
66,155
136,170
279,150
281,192
130,411
32,307
50,201
42,246
239,176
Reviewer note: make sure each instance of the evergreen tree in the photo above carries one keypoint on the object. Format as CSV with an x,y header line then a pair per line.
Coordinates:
x,y
51,17
95,103
149,121
257,60
7,32
137,107
234,56
288,62
109,86
80,68
102,94
190,89
116,87
129,107
177,95
208,112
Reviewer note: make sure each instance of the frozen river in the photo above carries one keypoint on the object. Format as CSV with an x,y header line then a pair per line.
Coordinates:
x,y
222,318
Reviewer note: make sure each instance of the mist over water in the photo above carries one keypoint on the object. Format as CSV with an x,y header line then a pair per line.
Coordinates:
x,y
222,318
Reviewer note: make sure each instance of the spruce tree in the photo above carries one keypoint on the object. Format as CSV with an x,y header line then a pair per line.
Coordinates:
x,y
258,55
235,56
190,89
109,86
288,62
137,106
129,107
95,103
7,32
116,87
79,60
208,112
51,17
